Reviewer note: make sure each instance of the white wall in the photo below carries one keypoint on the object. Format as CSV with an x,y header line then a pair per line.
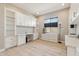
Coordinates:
x,y
73,7
23,30
1,26
63,17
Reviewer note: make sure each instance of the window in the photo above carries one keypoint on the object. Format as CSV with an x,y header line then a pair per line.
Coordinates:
x,y
50,23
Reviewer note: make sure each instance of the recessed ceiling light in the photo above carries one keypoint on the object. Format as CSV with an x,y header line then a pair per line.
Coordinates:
x,y
62,4
37,12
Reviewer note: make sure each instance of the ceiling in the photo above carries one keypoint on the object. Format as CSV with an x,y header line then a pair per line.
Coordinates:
x,y
41,8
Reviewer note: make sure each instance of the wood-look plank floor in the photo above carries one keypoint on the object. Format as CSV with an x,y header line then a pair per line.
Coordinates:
x,y
37,48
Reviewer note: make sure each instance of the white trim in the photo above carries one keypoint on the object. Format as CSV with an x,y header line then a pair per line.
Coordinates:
x,y
1,50
5,27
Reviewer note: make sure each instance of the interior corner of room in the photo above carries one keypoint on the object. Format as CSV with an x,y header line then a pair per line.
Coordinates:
x,y
29,26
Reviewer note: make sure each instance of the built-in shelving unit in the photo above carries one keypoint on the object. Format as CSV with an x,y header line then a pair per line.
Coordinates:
x,y
10,31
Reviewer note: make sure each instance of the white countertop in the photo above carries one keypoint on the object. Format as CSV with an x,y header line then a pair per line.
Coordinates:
x,y
24,34
20,34
72,43
71,40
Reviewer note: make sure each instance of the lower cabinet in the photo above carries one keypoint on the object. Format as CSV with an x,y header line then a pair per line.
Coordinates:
x,y
10,42
71,51
35,36
21,39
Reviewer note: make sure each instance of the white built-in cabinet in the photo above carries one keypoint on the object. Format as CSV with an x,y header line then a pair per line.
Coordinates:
x,y
12,20
21,39
10,28
9,20
25,20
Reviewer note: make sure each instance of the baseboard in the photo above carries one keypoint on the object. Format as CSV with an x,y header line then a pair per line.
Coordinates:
x,y
1,50
62,41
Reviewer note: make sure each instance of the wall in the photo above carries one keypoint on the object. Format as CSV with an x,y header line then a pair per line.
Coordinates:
x,y
40,25
63,18
73,7
1,26
24,30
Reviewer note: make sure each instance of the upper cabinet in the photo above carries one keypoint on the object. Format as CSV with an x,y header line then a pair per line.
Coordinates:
x,y
25,20
18,18
33,21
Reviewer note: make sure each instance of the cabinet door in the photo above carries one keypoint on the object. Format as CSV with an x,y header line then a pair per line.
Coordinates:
x,y
18,19
7,42
26,20
33,22
10,42
29,21
13,41
23,19
21,39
